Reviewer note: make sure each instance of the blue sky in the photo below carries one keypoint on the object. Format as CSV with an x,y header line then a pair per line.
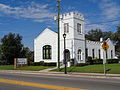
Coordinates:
x,y
30,17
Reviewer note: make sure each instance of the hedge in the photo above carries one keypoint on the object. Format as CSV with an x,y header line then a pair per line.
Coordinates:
x,y
82,64
97,61
109,61
42,63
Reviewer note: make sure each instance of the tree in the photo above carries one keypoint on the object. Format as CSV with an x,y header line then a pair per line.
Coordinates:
x,y
0,53
11,47
108,34
94,35
117,39
27,53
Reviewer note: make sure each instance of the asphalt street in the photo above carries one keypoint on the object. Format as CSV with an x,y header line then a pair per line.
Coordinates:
x,y
64,81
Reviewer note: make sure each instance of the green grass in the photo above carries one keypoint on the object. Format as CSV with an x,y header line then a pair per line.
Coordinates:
x,y
6,67
30,68
33,68
115,69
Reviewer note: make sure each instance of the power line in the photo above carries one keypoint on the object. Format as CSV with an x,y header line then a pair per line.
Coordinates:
x,y
92,23
102,22
96,15
95,23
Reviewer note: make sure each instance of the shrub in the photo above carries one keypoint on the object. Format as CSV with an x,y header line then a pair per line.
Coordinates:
x,y
109,61
98,61
50,64
42,63
89,60
82,64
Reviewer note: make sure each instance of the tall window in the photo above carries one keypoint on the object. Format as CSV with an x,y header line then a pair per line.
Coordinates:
x,y
99,54
86,52
79,28
93,53
47,52
79,53
66,28
111,54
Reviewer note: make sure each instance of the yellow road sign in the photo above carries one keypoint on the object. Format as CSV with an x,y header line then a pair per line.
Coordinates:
x,y
105,46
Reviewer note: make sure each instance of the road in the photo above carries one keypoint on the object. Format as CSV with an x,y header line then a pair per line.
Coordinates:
x,y
11,81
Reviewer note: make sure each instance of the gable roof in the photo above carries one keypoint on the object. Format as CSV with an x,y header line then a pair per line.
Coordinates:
x,y
46,30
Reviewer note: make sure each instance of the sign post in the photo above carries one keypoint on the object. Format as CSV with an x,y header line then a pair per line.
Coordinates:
x,y
20,62
105,46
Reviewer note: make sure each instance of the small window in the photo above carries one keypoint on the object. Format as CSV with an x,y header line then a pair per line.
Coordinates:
x,y
86,52
79,53
99,54
111,54
47,52
66,28
93,53
79,28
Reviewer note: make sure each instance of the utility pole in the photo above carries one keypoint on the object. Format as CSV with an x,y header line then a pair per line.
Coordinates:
x,y
58,17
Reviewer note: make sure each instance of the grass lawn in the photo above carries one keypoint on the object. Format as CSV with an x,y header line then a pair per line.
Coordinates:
x,y
30,68
6,67
115,69
34,68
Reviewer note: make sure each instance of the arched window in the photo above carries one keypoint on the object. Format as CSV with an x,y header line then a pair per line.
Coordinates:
x,y
47,52
79,53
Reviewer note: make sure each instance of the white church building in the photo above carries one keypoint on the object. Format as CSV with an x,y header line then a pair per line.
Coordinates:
x,y
46,44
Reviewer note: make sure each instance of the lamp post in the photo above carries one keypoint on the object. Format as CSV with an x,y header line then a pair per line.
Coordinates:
x,y
65,62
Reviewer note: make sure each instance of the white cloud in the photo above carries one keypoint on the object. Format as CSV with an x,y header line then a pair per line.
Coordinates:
x,y
110,9
96,26
89,26
71,8
32,11
40,20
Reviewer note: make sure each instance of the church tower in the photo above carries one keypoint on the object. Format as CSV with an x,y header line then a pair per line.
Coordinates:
x,y
72,24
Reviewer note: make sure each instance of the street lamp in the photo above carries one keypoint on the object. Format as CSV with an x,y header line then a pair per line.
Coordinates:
x,y
65,62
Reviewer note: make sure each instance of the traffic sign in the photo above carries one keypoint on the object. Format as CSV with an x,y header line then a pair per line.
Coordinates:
x,y
105,46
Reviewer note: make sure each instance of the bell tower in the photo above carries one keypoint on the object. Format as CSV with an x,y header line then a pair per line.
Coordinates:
x,y
72,24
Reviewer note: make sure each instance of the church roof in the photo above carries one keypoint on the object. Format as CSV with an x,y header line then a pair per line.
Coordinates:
x,y
46,30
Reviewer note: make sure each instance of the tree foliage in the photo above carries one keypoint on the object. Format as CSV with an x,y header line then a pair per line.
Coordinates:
x,y
11,47
0,53
95,35
27,53
117,39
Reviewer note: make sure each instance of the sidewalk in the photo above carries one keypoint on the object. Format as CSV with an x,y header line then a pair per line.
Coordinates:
x,y
72,74
48,69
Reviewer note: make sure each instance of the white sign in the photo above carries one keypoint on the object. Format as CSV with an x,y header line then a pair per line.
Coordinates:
x,y
22,61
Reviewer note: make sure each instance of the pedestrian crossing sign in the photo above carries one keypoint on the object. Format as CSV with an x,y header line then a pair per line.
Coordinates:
x,y
105,46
